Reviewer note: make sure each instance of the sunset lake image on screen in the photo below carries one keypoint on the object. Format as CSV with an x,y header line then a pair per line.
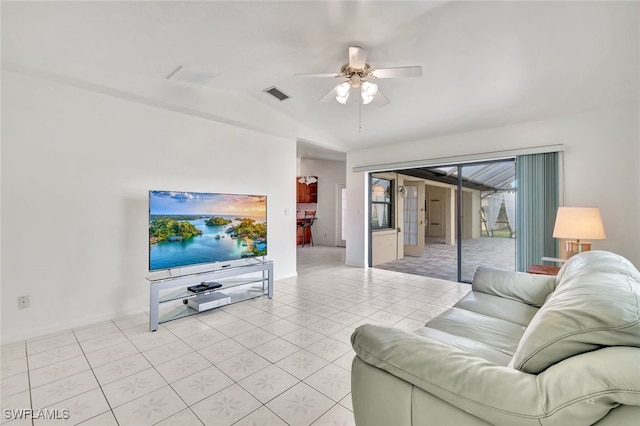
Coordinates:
x,y
191,228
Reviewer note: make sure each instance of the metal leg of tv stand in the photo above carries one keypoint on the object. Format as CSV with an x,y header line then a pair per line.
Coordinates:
x,y
269,280
154,309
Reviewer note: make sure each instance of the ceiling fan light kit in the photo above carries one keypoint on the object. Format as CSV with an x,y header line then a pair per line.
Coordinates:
x,y
356,78
368,91
342,92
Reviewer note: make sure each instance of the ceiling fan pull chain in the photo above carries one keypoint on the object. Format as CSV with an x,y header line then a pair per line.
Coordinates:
x,y
359,115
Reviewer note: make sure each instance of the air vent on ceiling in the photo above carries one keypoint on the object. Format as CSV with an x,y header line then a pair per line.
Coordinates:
x,y
276,93
190,76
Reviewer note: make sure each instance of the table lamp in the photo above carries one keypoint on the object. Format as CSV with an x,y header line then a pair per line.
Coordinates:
x,y
577,223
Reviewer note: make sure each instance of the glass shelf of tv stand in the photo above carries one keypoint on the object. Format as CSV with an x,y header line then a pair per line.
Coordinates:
x,y
240,281
237,294
226,285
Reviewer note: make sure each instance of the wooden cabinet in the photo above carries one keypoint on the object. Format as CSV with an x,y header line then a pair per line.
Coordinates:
x,y
307,198
300,192
307,193
312,193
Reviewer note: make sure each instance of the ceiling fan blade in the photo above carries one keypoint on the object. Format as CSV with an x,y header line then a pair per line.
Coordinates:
x,y
331,95
330,74
357,57
415,71
380,99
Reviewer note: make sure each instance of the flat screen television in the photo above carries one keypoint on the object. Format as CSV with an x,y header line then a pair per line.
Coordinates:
x,y
192,228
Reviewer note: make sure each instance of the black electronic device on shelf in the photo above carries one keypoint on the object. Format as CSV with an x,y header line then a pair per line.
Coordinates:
x,y
204,286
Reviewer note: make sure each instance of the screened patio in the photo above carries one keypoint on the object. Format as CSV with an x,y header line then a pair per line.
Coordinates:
x,y
492,239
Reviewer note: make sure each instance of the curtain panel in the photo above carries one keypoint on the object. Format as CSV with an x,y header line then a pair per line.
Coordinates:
x,y
510,208
492,210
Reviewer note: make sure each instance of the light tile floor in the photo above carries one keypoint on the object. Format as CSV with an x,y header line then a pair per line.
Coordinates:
x,y
284,361
440,260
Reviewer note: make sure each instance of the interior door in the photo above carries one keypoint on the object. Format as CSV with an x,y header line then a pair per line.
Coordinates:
x,y
414,225
435,215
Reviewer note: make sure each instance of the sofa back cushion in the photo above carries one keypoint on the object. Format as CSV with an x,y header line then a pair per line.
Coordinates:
x,y
596,304
526,288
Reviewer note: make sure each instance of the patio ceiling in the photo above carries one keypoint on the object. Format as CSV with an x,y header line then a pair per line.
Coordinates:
x,y
496,176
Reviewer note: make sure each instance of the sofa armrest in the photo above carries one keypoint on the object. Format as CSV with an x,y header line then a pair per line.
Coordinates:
x,y
502,395
498,395
519,286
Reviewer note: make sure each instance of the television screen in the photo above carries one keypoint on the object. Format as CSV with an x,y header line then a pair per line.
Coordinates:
x,y
190,228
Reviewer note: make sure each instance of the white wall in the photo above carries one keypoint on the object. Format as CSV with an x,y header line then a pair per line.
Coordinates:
x,y
471,220
602,151
76,170
384,247
330,174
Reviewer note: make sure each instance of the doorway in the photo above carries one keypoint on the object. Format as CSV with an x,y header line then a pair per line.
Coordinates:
x,y
436,215
341,215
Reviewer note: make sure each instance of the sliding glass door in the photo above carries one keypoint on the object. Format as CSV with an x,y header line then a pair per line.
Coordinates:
x,y
492,213
486,222
452,219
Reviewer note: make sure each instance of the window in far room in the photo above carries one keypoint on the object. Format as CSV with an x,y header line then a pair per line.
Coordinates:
x,y
381,203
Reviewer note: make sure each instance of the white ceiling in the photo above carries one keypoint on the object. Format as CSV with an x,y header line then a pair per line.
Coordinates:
x,y
485,64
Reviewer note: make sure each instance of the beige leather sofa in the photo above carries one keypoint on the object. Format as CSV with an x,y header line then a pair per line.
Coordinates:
x,y
519,349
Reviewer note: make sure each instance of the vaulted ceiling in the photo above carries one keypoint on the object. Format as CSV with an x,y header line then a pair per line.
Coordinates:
x,y
485,64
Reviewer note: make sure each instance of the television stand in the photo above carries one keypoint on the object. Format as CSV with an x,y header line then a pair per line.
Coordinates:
x,y
169,294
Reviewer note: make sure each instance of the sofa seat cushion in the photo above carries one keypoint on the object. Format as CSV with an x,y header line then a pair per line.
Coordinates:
x,y
497,307
596,304
496,333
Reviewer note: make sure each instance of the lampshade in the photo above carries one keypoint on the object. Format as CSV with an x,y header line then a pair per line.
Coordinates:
x,y
579,223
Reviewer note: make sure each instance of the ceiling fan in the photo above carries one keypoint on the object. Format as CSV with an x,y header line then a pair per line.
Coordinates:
x,y
358,74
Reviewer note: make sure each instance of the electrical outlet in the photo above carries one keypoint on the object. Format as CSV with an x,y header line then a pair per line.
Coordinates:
x,y
23,302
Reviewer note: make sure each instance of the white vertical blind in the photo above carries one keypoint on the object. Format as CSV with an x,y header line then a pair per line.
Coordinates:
x,y
537,177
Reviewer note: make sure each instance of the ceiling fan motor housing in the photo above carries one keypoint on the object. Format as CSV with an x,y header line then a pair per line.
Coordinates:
x,y
356,75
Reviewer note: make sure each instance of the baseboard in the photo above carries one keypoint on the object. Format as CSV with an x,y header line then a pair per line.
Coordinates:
x,y
9,338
